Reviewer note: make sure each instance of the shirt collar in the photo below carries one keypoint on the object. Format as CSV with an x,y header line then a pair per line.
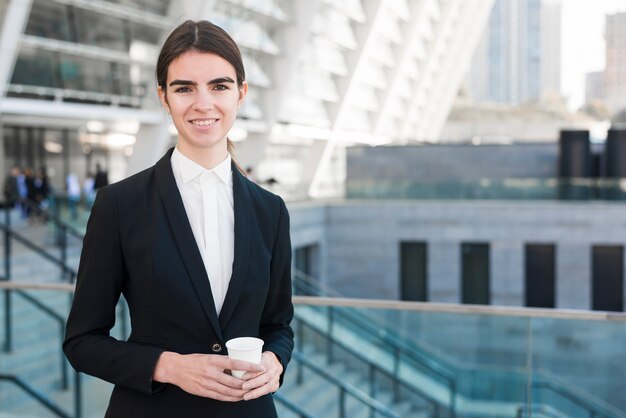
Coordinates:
x,y
190,170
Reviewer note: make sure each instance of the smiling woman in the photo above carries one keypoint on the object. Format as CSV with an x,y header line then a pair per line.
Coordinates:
x,y
202,97
201,254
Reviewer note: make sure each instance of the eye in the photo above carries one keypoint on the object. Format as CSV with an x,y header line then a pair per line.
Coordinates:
x,y
220,87
182,90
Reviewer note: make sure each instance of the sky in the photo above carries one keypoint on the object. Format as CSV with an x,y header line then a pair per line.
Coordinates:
x,y
583,47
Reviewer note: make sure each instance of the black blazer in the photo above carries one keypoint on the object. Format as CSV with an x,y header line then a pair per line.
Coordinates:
x,y
139,243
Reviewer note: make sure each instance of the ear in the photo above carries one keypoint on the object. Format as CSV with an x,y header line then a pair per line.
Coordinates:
x,y
163,98
243,90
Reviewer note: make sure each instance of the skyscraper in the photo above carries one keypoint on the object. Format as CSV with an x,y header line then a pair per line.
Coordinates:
x,y
615,73
519,57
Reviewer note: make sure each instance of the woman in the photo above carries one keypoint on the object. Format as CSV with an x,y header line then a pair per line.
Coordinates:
x,y
201,254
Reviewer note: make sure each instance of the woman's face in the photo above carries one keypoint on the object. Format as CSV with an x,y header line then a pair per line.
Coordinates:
x,y
203,98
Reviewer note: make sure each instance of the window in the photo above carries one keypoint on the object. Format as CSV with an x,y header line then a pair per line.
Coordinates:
x,y
413,271
540,268
475,273
608,278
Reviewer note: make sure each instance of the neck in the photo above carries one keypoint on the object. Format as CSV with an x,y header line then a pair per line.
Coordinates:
x,y
208,158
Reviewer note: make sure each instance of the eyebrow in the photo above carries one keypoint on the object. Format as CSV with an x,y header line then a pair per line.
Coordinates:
x,y
218,80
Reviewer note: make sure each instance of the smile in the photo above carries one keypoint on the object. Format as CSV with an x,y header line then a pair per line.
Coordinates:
x,y
204,122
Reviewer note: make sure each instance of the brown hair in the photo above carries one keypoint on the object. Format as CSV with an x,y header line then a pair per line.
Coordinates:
x,y
202,36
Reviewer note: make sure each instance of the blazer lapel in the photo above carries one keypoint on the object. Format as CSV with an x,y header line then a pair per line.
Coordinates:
x,y
243,236
181,229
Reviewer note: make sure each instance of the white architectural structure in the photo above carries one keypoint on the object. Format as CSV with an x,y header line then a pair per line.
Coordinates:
x,y
77,79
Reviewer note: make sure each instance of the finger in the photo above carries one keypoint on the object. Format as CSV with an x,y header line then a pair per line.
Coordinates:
x,y
225,379
263,390
250,375
259,381
221,397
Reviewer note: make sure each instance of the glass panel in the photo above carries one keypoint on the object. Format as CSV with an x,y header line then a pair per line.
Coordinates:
x,y
579,367
158,7
246,33
266,7
36,68
49,20
101,30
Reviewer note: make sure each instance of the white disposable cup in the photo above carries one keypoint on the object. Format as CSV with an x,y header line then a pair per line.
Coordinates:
x,y
244,348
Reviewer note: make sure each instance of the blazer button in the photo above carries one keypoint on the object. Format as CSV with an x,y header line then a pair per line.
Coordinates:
x,y
216,348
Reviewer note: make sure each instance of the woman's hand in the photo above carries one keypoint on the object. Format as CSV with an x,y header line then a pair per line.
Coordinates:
x,y
261,383
204,374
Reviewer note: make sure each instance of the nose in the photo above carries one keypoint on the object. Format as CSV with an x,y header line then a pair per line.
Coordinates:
x,y
204,101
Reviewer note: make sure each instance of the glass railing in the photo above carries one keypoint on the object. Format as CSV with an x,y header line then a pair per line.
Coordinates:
x,y
480,360
448,360
488,361
491,189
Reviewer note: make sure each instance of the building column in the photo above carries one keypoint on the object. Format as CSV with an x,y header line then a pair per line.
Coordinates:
x,y
3,161
507,273
573,276
444,271
12,28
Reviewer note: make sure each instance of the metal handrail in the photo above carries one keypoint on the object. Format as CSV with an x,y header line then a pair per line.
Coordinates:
x,y
59,320
410,351
588,404
344,387
38,396
58,222
39,250
292,406
372,366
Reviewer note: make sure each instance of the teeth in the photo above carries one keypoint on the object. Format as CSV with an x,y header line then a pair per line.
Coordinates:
x,y
203,122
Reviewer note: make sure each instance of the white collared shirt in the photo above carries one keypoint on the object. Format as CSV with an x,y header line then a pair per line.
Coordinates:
x,y
208,200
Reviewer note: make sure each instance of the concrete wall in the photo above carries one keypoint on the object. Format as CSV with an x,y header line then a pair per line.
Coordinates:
x,y
360,243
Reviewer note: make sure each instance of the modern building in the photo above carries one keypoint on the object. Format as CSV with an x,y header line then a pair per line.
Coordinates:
x,y
615,72
77,83
518,59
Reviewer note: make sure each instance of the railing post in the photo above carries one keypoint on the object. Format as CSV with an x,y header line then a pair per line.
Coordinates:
x,y
300,343
372,384
396,370
453,400
342,403
64,378
7,244
8,332
56,211
329,344
78,403
64,269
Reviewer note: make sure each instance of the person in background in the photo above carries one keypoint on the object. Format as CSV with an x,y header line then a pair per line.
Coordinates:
x,y
11,188
201,254
88,189
73,194
101,179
